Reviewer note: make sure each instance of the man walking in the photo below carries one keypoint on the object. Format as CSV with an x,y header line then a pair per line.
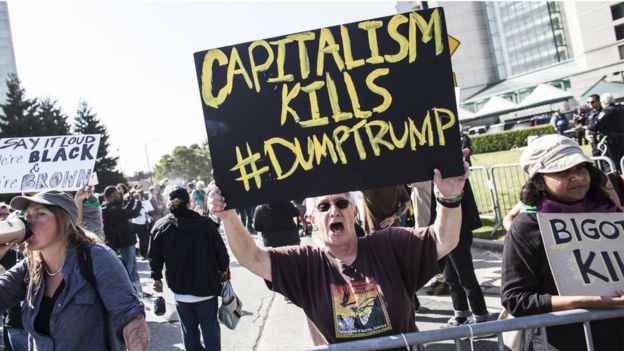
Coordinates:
x,y
197,261
118,232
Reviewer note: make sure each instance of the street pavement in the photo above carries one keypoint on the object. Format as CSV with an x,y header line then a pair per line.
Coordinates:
x,y
272,323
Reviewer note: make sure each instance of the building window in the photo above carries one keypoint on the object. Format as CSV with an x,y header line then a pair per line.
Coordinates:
x,y
621,50
617,11
619,32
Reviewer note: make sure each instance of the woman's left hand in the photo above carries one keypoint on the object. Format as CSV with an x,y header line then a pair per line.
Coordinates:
x,y
453,186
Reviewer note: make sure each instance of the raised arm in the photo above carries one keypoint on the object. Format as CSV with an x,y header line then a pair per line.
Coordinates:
x,y
249,255
448,221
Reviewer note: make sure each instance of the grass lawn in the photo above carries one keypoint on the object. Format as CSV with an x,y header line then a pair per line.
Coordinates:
x,y
507,183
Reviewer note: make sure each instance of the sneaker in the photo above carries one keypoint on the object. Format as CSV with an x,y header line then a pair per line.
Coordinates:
x,y
458,321
438,288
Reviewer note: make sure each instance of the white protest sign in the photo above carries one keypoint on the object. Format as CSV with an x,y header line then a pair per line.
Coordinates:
x,y
585,251
33,164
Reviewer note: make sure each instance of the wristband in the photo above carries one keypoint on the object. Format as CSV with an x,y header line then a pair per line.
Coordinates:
x,y
449,203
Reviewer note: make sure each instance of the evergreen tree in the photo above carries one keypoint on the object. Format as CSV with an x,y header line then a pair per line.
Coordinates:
x,y
86,122
18,116
50,120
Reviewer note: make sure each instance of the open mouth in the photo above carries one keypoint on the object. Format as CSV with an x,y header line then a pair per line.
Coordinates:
x,y
336,227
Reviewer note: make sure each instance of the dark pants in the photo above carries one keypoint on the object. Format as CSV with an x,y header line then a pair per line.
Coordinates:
x,y
460,276
142,232
194,316
580,137
247,215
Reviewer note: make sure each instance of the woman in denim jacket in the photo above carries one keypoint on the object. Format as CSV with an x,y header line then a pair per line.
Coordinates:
x,y
61,309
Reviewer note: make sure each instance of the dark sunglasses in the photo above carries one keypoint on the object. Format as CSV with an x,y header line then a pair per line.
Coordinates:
x,y
340,204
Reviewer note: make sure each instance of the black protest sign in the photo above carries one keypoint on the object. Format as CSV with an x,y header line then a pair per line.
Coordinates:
x,y
585,252
349,107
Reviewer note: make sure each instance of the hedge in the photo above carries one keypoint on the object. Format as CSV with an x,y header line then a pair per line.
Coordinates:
x,y
508,139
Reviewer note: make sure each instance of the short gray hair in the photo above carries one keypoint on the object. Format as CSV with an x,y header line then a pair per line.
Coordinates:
x,y
607,99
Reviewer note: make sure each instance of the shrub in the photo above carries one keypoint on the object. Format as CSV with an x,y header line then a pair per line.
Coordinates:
x,y
508,139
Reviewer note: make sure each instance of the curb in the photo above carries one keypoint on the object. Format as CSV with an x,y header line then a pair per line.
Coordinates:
x,y
494,245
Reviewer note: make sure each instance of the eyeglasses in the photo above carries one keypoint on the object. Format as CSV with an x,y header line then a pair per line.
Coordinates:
x,y
325,206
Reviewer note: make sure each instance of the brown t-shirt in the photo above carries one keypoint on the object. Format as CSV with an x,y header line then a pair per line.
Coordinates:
x,y
382,203
370,298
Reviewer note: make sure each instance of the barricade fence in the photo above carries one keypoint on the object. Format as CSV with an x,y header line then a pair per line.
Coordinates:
x,y
482,189
497,328
497,190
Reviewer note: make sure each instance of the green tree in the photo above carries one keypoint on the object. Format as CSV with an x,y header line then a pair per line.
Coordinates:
x,y
50,120
18,116
188,163
86,122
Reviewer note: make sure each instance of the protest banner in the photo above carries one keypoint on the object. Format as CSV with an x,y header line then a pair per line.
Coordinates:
x,y
33,164
350,107
585,252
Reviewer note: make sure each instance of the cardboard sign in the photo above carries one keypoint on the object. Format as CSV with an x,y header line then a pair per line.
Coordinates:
x,y
356,106
585,252
34,164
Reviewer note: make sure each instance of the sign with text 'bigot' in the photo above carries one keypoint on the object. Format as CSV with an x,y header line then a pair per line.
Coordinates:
x,y
585,252
355,106
33,164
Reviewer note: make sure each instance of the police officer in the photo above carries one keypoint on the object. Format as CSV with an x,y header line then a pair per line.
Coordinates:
x,y
611,123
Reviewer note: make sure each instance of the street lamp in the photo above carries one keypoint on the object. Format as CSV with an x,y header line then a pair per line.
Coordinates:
x,y
149,168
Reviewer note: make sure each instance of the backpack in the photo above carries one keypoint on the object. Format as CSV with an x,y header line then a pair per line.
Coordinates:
x,y
85,263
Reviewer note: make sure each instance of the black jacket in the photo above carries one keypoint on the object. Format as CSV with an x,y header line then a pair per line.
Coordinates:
x,y
277,225
116,216
193,252
527,287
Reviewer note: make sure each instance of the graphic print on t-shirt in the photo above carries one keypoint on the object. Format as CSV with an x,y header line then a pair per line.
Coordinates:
x,y
359,309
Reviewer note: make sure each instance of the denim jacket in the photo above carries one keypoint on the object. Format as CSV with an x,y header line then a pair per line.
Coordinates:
x,y
79,317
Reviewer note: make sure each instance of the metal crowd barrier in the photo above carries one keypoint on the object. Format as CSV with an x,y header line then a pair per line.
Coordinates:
x,y
483,191
602,161
507,180
540,321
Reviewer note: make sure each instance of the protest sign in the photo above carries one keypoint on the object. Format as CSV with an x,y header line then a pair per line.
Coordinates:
x,y
585,252
356,106
33,164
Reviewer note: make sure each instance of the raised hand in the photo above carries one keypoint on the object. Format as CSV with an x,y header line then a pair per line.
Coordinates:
x,y
216,202
452,186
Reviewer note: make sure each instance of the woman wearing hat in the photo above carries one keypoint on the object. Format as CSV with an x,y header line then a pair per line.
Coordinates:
x,y
561,180
61,309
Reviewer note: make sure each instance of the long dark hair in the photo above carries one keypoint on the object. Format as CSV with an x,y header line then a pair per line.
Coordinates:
x,y
532,195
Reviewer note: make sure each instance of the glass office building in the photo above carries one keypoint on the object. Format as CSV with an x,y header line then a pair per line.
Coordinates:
x,y
526,35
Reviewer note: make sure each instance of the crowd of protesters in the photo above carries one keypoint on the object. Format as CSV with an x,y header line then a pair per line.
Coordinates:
x,y
377,249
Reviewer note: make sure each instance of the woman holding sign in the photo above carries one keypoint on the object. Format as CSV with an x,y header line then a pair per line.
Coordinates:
x,y
561,180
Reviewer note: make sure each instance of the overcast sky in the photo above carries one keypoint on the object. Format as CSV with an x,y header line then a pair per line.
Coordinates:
x,y
133,61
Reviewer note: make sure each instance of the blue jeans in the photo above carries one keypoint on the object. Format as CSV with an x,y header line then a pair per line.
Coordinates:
x,y
201,314
18,338
128,256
